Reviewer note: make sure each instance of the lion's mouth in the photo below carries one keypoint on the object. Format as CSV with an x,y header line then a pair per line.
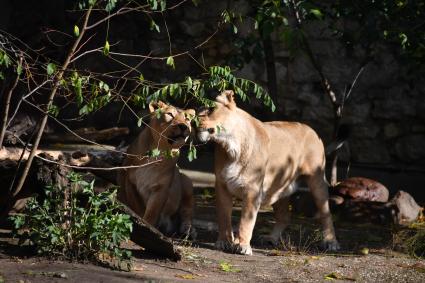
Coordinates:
x,y
177,138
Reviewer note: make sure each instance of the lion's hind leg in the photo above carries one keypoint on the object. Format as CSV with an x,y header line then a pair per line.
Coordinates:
x,y
282,216
319,190
186,207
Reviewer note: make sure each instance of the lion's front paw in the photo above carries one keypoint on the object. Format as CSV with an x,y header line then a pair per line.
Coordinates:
x,y
331,245
243,249
224,245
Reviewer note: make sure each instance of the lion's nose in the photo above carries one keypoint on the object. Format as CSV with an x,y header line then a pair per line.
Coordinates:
x,y
183,127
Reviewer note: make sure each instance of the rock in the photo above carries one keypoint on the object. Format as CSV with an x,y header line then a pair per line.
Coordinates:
x,y
192,29
367,130
406,209
410,148
365,212
357,113
392,130
385,108
319,112
361,189
302,71
369,151
289,108
308,95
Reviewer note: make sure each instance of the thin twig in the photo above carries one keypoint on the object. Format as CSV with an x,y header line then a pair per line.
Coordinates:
x,y
77,135
49,104
7,105
100,168
354,82
24,97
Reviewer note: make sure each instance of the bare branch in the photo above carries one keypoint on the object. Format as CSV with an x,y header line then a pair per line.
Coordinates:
x,y
7,104
49,104
100,168
24,97
354,82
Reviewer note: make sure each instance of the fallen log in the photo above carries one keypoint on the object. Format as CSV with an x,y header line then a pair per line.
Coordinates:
x,y
44,173
146,236
91,134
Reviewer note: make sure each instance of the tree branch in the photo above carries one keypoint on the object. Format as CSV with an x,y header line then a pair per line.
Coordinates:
x,y
7,105
49,104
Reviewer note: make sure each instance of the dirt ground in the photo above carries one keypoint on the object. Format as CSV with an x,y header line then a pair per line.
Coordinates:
x,y
367,255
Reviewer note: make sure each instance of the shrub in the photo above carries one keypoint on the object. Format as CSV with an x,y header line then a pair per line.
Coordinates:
x,y
75,223
412,239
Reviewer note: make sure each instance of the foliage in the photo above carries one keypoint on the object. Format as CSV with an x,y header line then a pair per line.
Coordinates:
x,y
412,239
86,91
227,267
364,23
75,222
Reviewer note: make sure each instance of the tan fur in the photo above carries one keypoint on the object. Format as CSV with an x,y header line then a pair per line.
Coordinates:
x,y
159,192
260,164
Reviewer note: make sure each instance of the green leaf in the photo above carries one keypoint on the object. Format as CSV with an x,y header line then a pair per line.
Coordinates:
x,y
153,4
84,110
53,110
154,26
76,31
6,60
189,83
19,69
139,122
227,267
51,68
235,29
106,49
191,155
111,5
170,62
317,13
155,152
141,78
163,5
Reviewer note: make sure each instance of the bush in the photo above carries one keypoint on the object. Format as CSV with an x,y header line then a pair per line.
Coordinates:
x,y
75,222
412,239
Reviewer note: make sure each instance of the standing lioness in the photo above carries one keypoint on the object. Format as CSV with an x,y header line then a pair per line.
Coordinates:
x,y
260,163
159,192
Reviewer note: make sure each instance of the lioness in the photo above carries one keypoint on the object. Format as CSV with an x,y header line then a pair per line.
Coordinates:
x,y
159,192
260,164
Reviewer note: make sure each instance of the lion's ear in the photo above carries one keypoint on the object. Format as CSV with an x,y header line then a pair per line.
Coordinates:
x,y
227,98
154,105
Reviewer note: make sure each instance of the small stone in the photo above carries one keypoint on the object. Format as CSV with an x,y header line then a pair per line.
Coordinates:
x,y
364,251
391,130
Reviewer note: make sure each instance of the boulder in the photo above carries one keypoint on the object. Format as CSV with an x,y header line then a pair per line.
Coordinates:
x,y
361,189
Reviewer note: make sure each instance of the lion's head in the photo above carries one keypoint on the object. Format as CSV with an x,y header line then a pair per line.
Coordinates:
x,y
170,125
214,121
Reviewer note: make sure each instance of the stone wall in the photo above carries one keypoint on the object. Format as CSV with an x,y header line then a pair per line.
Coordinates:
x,y
386,109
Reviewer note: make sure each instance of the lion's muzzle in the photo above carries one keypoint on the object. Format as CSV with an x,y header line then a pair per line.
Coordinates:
x,y
179,134
204,134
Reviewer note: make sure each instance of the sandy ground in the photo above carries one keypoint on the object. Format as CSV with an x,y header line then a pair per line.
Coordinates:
x,y
297,259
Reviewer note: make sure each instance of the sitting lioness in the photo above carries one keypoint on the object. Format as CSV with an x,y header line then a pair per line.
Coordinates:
x,y
159,193
260,163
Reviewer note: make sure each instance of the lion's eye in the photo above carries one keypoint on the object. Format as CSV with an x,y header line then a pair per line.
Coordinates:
x,y
170,114
205,111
